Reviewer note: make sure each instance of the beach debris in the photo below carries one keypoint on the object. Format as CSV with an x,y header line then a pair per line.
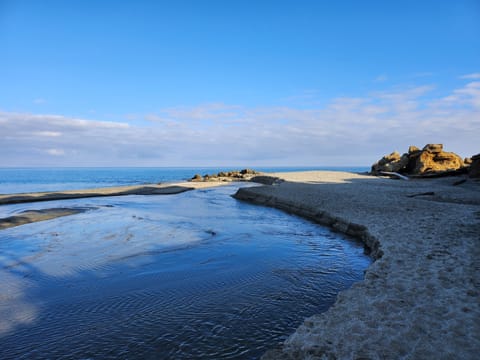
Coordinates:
x,y
427,162
394,174
428,193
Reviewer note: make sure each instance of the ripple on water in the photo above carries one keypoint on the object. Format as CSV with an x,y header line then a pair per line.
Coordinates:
x,y
193,276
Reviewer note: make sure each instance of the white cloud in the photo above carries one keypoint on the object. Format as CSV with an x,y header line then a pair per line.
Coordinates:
x,y
47,133
56,152
472,76
39,101
469,94
347,131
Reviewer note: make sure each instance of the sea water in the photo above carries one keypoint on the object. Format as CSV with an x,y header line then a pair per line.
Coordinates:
x,y
18,180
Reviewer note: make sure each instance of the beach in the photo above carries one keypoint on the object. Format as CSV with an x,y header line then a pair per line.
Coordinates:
x,y
419,299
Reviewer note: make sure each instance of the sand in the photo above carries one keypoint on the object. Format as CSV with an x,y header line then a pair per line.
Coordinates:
x,y
29,216
148,189
420,298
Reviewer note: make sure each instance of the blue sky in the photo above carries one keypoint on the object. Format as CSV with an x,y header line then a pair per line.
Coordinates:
x,y
161,83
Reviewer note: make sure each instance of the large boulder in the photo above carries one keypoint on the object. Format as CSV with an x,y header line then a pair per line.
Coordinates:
x,y
431,159
434,159
433,148
474,170
390,163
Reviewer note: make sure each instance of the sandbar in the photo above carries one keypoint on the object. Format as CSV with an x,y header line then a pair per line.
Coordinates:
x,y
30,216
35,215
420,297
147,189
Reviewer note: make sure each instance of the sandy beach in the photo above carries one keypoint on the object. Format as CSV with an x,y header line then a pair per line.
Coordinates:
x,y
420,298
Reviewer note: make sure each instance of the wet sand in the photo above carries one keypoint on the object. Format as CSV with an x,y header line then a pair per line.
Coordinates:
x,y
150,189
31,216
420,298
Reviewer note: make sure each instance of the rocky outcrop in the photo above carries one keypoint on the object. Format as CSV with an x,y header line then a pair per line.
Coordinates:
x,y
393,162
474,169
242,175
430,160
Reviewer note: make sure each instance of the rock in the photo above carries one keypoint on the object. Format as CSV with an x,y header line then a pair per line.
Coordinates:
x,y
433,148
242,175
248,172
474,170
390,163
467,161
413,149
430,160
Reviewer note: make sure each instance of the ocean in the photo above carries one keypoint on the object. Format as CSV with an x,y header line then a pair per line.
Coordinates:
x,y
19,180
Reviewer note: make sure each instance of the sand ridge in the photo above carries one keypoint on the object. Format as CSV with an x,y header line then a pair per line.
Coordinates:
x,y
147,189
420,298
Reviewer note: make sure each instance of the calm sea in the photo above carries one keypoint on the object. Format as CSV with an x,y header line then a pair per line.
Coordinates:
x,y
18,180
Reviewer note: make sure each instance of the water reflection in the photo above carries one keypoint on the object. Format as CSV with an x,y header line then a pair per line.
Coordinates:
x,y
195,275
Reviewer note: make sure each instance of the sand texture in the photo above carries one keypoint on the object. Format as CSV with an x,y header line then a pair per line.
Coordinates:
x,y
420,299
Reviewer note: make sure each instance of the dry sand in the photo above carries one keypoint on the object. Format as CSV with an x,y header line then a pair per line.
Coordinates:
x,y
420,299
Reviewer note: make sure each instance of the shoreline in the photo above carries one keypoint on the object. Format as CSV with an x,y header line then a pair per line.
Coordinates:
x,y
419,299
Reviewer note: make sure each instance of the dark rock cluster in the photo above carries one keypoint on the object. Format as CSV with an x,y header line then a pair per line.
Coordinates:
x,y
242,175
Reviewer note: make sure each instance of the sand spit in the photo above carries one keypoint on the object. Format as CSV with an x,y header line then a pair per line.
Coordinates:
x,y
151,189
420,298
29,216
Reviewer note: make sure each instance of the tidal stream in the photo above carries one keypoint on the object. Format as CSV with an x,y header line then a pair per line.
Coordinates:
x,y
197,275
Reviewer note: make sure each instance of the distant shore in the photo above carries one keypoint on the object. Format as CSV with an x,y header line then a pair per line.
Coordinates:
x,y
419,299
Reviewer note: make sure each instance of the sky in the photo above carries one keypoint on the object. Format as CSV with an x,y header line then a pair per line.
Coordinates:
x,y
235,83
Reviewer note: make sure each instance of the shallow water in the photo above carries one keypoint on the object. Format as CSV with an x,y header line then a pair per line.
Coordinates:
x,y
195,275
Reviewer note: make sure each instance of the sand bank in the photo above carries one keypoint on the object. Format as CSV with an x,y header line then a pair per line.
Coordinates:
x,y
31,216
420,298
150,189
